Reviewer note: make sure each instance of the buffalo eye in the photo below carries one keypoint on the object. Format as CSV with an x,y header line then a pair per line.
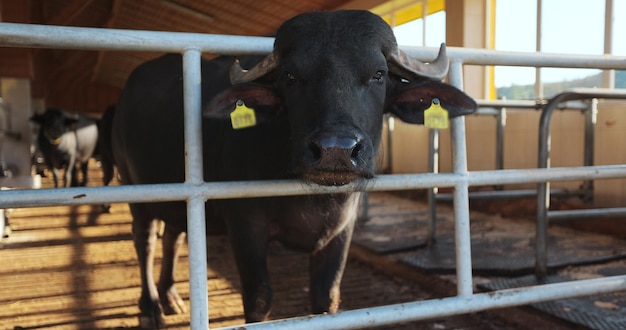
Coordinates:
x,y
289,78
378,77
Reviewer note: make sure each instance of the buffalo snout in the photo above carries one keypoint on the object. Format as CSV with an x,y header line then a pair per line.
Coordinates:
x,y
336,158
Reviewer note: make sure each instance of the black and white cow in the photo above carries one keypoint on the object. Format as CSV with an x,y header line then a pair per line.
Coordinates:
x,y
67,141
319,101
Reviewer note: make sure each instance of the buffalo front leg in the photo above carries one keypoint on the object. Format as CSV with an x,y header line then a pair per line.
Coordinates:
x,y
326,268
144,236
249,244
170,300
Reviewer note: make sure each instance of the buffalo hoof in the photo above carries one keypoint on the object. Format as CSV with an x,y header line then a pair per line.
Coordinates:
x,y
161,229
153,321
172,303
7,232
106,208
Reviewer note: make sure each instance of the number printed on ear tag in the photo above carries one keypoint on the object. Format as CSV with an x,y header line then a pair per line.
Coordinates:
x,y
242,116
436,116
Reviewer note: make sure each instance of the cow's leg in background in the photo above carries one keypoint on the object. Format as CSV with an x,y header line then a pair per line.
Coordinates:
x,y
70,173
326,267
74,181
55,175
144,237
107,176
170,300
107,172
83,168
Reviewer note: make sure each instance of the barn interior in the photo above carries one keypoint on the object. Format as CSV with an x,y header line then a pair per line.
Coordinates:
x,y
89,81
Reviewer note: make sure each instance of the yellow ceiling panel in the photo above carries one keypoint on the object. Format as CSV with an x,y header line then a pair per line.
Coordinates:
x,y
398,12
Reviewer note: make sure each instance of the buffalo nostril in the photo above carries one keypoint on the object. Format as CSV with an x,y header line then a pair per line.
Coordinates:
x,y
316,150
356,151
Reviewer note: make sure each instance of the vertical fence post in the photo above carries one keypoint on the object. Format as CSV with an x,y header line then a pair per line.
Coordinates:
x,y
500,129
461,194
591,117
195,204
543,192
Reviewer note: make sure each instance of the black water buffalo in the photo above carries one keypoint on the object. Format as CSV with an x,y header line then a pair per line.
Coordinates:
x,y
319,101
67,141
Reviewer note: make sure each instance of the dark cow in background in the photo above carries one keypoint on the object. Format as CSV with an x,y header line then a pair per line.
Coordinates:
x,y
319,101
104,143
107,162
67,141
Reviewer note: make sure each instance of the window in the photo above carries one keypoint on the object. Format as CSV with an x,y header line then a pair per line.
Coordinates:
x,y
412,33
516,26
406,17
567,27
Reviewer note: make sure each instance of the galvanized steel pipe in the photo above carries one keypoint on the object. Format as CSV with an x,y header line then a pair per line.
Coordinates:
x,y
435,308
195,192
543,188
48,36
463,246
18,198
196,233
63,37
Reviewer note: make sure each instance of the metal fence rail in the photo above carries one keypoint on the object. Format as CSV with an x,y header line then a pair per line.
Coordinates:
x,y
543,192
195,192
498,109
543,188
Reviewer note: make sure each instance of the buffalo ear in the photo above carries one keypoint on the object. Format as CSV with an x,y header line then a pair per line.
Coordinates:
x,y
261,98
70,121
411,99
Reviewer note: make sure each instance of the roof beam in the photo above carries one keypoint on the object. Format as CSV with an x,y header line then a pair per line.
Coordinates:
x,y
69,12
361,4
187,10
110,22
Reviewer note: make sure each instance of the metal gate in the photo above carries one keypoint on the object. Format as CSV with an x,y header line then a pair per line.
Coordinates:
x,y
194,191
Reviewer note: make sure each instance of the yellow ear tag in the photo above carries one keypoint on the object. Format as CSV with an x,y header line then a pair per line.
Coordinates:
x,y
242,116
436,116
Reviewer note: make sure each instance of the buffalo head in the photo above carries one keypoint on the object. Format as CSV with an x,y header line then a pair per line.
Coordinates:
x,y
334,74
54,123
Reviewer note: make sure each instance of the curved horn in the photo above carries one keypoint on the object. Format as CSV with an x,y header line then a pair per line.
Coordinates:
x,y
239,75
436,69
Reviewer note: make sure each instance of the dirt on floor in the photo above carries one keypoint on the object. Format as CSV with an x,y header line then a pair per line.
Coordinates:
x,y
526,208
74,267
